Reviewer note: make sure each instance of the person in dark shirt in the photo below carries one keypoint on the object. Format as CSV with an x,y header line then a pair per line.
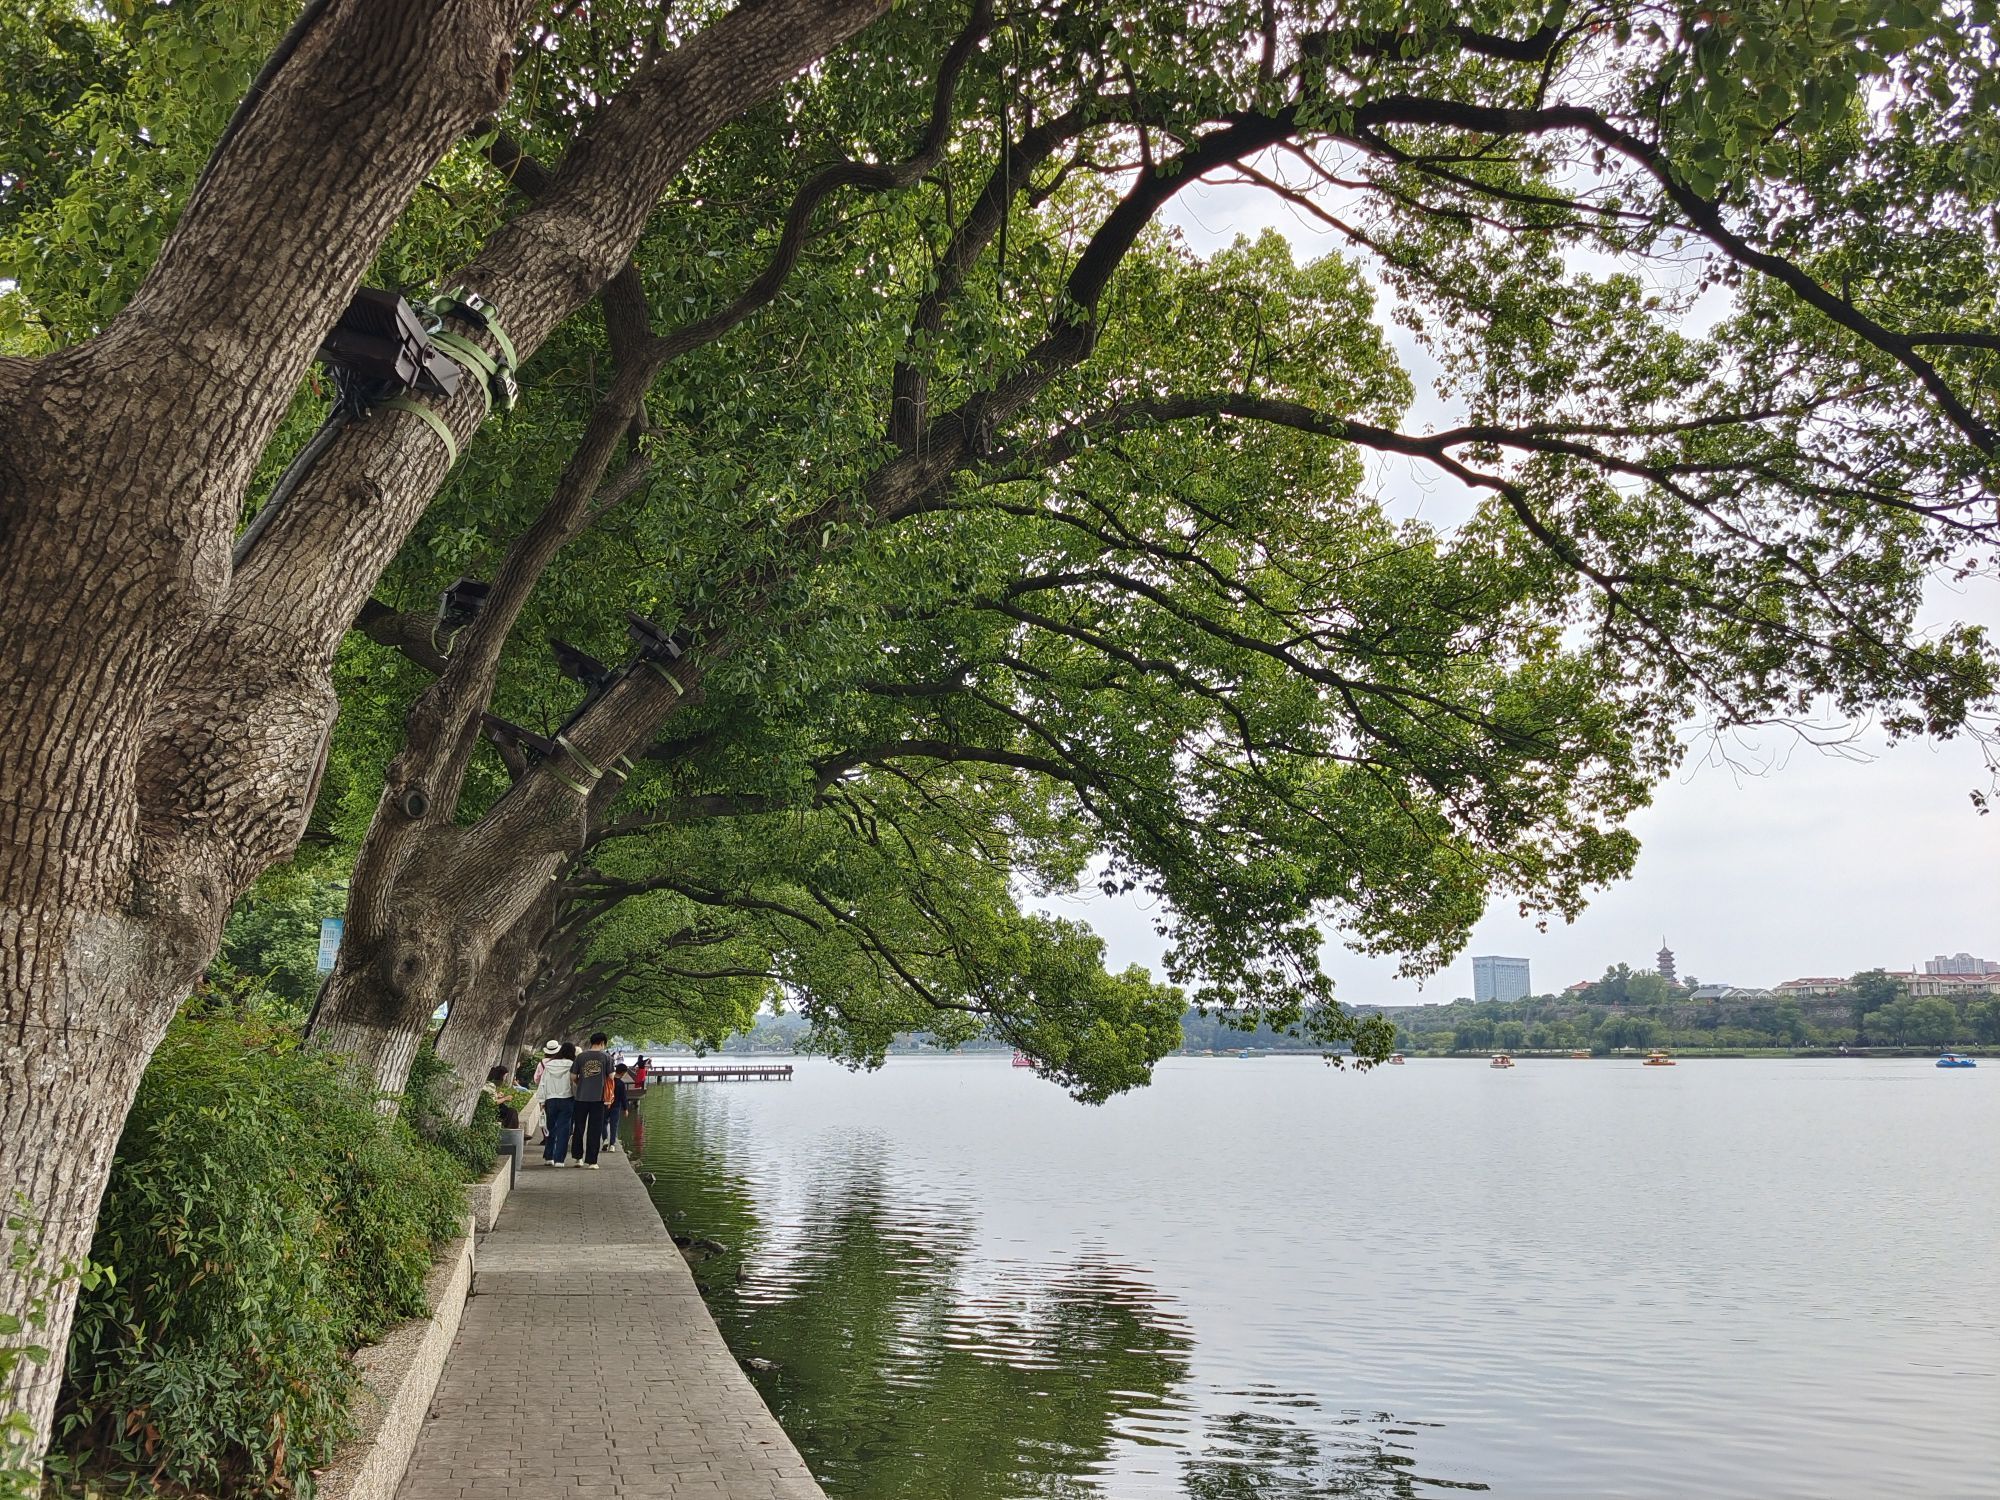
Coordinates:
x,y
591,1076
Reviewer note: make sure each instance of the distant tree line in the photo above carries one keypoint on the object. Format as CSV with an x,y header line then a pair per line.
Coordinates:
x,y
1640,1009
1214,1030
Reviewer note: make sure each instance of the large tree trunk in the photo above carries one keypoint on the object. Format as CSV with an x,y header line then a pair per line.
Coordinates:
x,y
485,1013
429,900
125,463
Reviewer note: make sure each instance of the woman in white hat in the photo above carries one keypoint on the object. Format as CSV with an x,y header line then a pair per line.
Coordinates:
x,y
552,1095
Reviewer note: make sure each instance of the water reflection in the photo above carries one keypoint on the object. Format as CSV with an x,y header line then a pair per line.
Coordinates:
x,y
907,1363
1255,1455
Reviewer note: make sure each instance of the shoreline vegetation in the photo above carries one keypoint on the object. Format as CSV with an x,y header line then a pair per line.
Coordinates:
x,y
1620,1016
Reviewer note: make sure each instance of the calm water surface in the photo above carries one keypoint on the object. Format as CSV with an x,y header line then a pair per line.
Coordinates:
x,y
1268,1280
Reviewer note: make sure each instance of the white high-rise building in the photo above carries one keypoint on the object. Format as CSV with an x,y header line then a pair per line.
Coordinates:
x,y
1495,978
1961,963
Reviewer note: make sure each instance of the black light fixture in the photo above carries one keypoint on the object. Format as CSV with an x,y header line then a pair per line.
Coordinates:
x,y
460,604
582,667
379,350
379,353
513,736
654,643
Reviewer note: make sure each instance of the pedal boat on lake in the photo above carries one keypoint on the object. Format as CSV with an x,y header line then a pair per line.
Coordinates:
x,y
1022,1060
1395,1059
1501,1060
1956,1060
1658,1059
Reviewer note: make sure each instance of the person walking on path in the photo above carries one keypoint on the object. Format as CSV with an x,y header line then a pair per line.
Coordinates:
x,y
621,1095
591,1074
554,1091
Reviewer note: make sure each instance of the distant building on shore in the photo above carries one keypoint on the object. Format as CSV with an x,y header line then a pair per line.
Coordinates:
x,y
1495,978
1710,994
1947,985
1818,985
1961,963
1664,962
1950,984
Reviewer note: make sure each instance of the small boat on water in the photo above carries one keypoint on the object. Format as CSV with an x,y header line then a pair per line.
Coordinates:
x,y
1395,1059
1956,1060
1244,1053
1658,1059
1501,1060
1022,1060
1579,1056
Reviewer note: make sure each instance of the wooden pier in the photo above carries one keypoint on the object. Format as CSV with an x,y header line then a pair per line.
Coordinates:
x,y
718,1073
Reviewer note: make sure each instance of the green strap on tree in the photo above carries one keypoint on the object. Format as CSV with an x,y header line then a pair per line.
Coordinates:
x,y
664,675
435,422
595,773
582,789
468,353
497,386
472,308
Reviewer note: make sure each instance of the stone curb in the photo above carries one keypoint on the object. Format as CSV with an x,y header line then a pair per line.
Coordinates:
x,y
399,1376
485,1197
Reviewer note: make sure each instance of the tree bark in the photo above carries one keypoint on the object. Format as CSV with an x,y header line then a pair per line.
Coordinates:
x,y
125,462
426,902
484,1014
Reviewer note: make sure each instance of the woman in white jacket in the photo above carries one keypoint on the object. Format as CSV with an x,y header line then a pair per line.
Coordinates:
x,y
553,1095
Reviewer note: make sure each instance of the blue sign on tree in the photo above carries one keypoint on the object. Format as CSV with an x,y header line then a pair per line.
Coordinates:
x,y
329,942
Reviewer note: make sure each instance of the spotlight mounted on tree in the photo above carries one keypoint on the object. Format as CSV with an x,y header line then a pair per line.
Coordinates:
x,y
654,643
379,350
658,649
460,604
582,667
513,737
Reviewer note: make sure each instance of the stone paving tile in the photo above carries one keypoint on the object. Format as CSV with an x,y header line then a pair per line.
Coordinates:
x,y
653,1408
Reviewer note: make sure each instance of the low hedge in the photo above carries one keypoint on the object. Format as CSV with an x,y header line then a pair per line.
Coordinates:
x,y
264,1219
475,1147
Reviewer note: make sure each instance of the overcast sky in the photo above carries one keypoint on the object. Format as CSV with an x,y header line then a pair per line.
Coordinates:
x,y
1773,861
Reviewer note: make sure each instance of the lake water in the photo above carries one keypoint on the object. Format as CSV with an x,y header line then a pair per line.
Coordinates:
x,y
1269,1280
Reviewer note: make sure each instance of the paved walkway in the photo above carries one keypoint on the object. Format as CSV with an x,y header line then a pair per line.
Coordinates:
x,y
587,1364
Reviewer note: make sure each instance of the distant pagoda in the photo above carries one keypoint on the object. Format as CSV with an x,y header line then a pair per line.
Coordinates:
x,y
1664,962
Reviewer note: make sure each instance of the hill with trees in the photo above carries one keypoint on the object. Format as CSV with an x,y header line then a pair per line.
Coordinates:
x,y
1628,1010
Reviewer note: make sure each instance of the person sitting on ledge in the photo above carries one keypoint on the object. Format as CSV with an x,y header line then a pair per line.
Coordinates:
x,y
496,1090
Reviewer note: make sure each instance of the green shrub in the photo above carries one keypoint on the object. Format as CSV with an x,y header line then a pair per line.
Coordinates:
x,y
475,1147
263,1219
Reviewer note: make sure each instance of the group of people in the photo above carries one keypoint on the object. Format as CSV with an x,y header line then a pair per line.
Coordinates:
x,y
580,1097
